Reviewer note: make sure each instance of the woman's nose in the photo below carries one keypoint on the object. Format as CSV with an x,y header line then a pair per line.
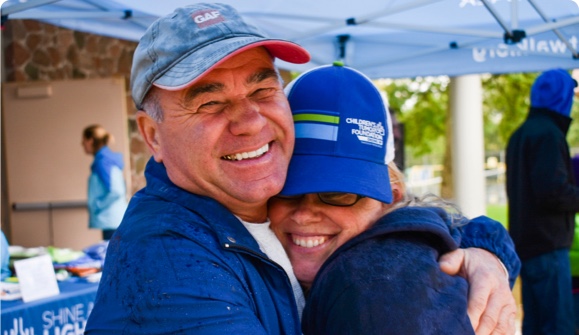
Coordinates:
x,y
308,210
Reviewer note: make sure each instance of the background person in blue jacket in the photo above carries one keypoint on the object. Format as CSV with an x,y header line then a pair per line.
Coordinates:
x,y
366,272
543,200
189,256
4,257
107,192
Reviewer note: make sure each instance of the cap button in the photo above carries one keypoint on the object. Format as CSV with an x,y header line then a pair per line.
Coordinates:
x,y
338,63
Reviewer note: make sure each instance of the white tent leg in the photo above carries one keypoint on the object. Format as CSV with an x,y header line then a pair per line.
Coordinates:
x,y
467,144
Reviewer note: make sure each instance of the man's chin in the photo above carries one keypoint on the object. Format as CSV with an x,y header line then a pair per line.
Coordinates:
x,y
258,196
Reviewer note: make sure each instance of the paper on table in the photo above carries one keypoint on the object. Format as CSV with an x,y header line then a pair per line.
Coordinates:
x,y
36,277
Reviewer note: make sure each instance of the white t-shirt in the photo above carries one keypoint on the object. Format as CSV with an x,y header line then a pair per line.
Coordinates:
x,y
271,246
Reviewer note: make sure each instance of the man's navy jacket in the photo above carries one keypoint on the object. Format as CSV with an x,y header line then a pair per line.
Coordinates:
x,y
183,264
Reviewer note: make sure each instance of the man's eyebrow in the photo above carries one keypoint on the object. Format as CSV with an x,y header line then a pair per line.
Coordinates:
x,y
261,76
195,91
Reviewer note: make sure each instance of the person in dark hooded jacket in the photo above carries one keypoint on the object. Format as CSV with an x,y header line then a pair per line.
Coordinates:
x,y
543,199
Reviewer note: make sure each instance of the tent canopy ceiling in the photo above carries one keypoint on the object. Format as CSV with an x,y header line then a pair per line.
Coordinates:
x,y
384,39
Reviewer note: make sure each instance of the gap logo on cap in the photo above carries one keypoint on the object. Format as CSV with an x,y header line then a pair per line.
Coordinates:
x,y
206,18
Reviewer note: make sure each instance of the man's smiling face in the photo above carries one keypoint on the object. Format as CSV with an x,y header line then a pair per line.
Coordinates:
x,y
229,136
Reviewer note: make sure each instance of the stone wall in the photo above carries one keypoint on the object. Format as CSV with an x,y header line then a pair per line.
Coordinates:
x,y
35,51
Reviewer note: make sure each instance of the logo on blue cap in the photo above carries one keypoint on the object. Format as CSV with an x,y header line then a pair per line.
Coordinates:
x,y
342,130
317,126
368,132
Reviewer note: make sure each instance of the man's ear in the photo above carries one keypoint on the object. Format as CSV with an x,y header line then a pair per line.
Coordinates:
x,y
150,133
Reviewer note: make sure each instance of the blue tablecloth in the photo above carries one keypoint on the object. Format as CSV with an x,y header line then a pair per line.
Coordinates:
x,y
63,314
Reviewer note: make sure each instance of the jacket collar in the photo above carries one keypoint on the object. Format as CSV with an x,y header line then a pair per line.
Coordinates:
x,y
561,121
429,220
228,228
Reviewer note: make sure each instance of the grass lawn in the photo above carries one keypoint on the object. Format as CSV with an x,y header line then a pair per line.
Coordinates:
x,y
499,213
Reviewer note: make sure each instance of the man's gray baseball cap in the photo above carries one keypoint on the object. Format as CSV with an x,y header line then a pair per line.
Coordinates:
x,y
181,47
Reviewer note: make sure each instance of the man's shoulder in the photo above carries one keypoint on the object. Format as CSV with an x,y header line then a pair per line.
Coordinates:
x,y
172,226
156,220
146,207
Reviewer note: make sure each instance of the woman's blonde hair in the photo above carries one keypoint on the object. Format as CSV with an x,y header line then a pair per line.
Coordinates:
x,y
397,183
405,199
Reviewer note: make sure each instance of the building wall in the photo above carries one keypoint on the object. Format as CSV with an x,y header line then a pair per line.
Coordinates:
x,y
34,51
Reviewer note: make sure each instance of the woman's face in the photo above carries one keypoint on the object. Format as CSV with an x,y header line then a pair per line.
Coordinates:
x,y
310,230
87,146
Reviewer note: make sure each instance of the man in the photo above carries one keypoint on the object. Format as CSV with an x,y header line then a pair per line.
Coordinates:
x,y
543,199
215,117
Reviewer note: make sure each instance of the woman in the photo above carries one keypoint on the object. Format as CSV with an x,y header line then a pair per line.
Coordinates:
x,y
107,200
366,273
4,257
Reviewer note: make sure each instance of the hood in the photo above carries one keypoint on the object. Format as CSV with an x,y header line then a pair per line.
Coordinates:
x,y
554,90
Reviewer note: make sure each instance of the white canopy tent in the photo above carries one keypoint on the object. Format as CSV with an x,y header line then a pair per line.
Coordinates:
x,y
384,39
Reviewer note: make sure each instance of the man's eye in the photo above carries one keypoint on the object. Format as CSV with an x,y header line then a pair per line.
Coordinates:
x,y
264,93
210,107
210,103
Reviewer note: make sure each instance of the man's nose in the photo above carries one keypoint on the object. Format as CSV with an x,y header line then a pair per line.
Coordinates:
x,y
245,118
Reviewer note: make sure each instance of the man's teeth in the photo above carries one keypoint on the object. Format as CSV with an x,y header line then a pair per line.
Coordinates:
x,y
245,155
309,242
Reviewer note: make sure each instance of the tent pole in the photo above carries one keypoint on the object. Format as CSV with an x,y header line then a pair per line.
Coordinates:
x,y
468,144
497,17
514,14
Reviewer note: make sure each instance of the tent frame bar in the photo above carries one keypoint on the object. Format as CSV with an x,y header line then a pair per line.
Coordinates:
x,y
22,6
125,14
509,34
555,30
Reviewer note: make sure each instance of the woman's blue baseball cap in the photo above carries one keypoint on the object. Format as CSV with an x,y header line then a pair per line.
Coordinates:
x,y
343,141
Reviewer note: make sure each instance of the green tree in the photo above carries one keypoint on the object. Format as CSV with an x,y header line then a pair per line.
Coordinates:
x,y
573,136
506,101
422,105
505,106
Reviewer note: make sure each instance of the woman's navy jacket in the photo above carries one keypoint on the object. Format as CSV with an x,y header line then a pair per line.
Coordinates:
x,y
387,280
